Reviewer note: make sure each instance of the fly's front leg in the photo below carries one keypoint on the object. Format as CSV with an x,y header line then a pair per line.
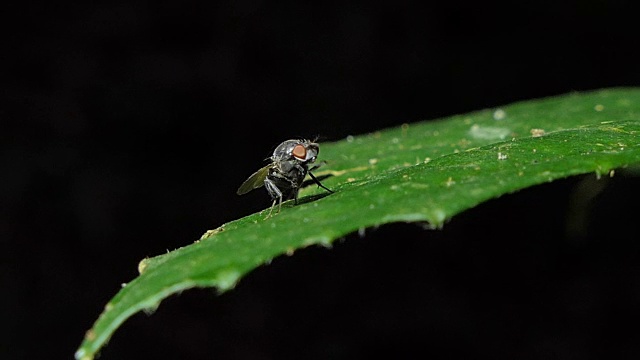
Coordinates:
x,y
316,166
315,180
318,183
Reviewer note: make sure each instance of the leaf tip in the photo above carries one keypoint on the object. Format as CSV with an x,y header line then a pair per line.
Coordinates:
x,y
81,353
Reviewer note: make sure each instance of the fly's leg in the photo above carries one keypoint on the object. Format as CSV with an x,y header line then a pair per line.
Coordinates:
x,y
315,180
318,182
295,196
316,166
273,204
275,193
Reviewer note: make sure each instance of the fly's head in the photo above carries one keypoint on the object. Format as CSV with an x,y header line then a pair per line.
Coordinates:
x,y
295,152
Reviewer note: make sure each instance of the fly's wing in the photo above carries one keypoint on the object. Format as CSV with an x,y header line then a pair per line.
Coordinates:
x,y
254,181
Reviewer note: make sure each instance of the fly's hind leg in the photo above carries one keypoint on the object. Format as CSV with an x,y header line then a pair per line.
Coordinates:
x,y
275,193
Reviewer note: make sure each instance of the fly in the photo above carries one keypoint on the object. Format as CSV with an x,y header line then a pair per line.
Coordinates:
x,y
283,177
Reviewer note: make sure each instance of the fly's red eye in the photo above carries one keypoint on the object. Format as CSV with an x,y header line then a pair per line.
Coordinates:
x,y
299,152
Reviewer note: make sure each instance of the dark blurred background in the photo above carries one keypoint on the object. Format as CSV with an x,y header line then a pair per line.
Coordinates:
x,y
126,128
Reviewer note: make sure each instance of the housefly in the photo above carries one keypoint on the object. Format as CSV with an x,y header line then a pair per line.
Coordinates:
x,y
283,177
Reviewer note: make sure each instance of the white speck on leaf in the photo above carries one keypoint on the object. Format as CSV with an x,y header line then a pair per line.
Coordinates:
x,y
499,114
488,132
536,132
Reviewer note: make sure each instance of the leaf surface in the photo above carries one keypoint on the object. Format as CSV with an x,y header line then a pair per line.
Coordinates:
x,y
420,172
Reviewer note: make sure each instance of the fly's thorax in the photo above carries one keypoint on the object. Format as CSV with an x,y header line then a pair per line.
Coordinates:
x,y
290,168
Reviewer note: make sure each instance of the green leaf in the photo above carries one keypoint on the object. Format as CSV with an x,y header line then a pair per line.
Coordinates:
x,y
425,172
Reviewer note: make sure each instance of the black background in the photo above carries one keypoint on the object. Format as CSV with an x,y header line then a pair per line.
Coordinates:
x,y
126,128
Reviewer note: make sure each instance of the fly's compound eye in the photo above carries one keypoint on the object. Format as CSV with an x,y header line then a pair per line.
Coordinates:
x,y
299,152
